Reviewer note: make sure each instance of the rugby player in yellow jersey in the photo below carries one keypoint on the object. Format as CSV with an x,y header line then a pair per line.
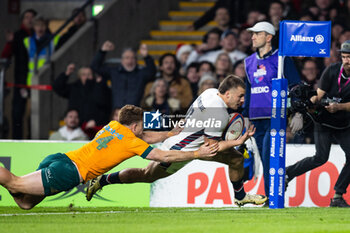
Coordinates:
x,y
113,144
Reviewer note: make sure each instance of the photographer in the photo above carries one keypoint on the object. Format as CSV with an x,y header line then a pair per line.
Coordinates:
x,y
332,122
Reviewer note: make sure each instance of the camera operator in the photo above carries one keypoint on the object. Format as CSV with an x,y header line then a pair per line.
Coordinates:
x,y
334,84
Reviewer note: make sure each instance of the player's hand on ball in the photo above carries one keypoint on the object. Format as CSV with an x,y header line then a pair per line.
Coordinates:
x,y
249,133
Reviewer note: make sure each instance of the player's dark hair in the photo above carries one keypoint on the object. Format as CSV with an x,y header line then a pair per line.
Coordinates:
x,y
130,114
231,81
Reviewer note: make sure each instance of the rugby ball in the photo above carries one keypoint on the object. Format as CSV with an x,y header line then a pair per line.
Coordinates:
x,y
234,128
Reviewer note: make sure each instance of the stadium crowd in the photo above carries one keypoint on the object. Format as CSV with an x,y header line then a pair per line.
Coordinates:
x,y
181,76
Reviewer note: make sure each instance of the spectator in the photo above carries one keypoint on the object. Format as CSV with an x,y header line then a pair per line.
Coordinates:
x,y
71,130
223,66
34,42
310,73
15,47
344,13
333,58
39,49
90,96
207,80
321,9
239,71
253,17
78,21
344,36
222,18
307,16
182,55
275,13
211,43
235,9
159,99
204,67
291,9
179,87
275,16
128,80
229,43
193,77
337,30
244,42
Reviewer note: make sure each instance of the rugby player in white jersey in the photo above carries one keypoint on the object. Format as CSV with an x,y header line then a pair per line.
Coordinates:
x,y
212,105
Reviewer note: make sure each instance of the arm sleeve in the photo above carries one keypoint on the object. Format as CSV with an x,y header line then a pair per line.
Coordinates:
x,y
60,85
140,147
97,65
206,18
150,69
325,79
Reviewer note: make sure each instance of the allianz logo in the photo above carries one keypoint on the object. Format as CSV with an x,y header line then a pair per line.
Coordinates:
x,y
299,38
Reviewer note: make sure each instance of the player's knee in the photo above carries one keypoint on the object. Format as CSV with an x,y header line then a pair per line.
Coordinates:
x,y
147,174
26,206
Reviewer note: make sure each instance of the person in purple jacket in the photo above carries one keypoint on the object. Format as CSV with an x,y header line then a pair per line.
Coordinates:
x,y
261,67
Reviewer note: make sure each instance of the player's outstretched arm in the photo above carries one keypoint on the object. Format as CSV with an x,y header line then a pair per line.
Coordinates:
x,y
224,145
205,151
155,136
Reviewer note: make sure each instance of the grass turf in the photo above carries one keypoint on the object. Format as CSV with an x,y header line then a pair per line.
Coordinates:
x,y
114,219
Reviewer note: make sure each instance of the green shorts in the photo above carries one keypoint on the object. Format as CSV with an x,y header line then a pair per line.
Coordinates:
x,y
58,174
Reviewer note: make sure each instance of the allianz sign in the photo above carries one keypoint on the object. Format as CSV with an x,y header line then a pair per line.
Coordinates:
x,y
299,38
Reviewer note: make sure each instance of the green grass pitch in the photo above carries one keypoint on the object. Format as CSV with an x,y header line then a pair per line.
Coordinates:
x,y
117,219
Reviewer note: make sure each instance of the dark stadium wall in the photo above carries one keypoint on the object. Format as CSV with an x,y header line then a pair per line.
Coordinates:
x,y
8,21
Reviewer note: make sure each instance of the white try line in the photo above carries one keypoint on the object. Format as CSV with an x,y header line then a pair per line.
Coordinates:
x,y
125,211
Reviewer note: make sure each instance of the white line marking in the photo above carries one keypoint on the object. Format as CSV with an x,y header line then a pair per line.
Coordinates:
x,y
121,211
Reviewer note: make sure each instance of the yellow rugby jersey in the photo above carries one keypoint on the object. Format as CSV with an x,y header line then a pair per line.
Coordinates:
x,y
112,145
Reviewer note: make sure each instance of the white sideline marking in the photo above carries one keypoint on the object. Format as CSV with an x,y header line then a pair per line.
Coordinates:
x,y
118,211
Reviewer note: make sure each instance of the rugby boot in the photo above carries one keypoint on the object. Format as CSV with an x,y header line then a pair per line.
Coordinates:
x,y
93,187
255,199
